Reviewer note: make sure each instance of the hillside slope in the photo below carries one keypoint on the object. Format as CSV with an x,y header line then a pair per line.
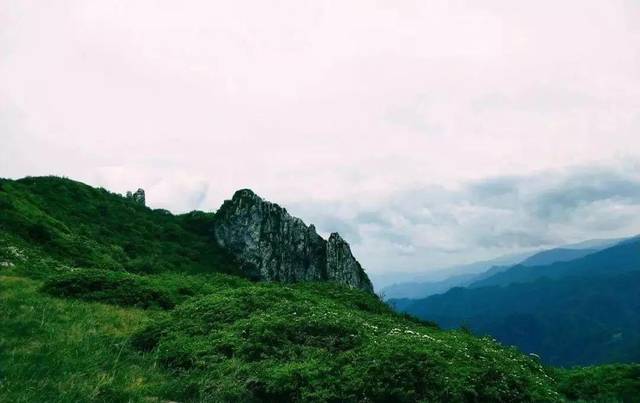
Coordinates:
x,y
78,225
429,283
230,340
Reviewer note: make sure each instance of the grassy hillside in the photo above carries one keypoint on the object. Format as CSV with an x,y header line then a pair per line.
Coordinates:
x,y
242,341
77,225
104,327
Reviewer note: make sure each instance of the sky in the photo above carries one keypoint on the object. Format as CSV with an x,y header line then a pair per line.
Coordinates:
x,y
428,133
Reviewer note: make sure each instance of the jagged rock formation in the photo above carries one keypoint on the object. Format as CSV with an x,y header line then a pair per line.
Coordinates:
x,y
341,265
274,246
137,196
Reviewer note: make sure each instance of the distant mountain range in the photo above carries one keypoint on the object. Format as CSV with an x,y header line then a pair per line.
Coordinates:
x,y
556,255
418,285
572,312
624,256
466,275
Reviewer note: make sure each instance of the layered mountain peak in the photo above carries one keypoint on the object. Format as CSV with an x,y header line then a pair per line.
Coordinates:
x,y
245,194
272,245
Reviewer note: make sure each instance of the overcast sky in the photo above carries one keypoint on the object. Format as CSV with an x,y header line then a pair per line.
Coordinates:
x,y
428,133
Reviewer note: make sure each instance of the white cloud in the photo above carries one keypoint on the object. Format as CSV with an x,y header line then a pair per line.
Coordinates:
x,y
324,103
425,228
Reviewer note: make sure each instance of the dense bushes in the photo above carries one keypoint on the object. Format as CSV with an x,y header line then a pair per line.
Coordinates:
x,y
606,383
262,342
121,288
109,287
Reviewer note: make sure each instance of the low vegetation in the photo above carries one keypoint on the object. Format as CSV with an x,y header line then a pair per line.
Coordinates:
x,y
604,383
162,291
247,342
63,350
109,287
326,343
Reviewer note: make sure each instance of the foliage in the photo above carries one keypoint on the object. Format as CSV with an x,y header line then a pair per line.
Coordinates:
x,y
59,350
312,342
606,383
81,226
109,287
120,288
356,355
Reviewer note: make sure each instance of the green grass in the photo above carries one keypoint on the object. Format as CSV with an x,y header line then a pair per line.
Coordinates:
x,y
109,287
163,291
604,383
55,350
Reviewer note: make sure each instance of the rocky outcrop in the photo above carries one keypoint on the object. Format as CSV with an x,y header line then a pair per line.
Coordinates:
x,y
274,246
341,265
137,196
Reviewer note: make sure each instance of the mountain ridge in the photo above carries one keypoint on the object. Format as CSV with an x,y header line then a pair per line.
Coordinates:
x,y
568,252
36,210
622,256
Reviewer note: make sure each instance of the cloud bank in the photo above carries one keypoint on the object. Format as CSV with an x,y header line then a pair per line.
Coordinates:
x,y
428,227
428,133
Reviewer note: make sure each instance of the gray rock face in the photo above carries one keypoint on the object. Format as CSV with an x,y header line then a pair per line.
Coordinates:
x,y
274,246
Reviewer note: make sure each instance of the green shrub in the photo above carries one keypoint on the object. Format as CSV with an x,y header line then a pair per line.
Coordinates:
x,y
605,383
306,342
109,287
420,321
